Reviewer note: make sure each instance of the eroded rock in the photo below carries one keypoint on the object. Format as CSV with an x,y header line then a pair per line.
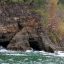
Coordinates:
x,y
20,29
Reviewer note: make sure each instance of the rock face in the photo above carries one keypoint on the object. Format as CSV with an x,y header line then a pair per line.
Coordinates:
x,y
20,29
27,37
31,36
11,16
19,42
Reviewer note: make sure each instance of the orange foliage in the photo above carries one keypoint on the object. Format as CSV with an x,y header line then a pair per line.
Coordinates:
x,y
52,9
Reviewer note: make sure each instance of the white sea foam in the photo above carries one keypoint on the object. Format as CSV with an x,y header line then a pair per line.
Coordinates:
x,y
7,51
29,50
59,53
3,50
16,53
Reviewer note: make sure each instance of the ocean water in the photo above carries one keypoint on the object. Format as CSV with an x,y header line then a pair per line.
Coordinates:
x,y
31,57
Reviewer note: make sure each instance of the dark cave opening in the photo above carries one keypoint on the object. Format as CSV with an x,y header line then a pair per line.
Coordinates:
x,y
4,44
3,41
34,44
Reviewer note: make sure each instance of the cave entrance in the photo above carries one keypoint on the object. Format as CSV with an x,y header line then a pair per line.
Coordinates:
x,y
4,44
34,44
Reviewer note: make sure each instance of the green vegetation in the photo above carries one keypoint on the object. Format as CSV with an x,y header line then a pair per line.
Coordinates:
x,y
36,3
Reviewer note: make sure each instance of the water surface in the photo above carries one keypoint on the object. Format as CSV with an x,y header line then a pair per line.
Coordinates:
x,y
30,57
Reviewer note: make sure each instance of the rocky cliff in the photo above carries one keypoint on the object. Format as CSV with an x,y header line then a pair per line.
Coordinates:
x,y
21,29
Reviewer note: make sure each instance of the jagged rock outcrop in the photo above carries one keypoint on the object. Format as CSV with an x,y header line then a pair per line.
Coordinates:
x,y
27,37
31,36
19,42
